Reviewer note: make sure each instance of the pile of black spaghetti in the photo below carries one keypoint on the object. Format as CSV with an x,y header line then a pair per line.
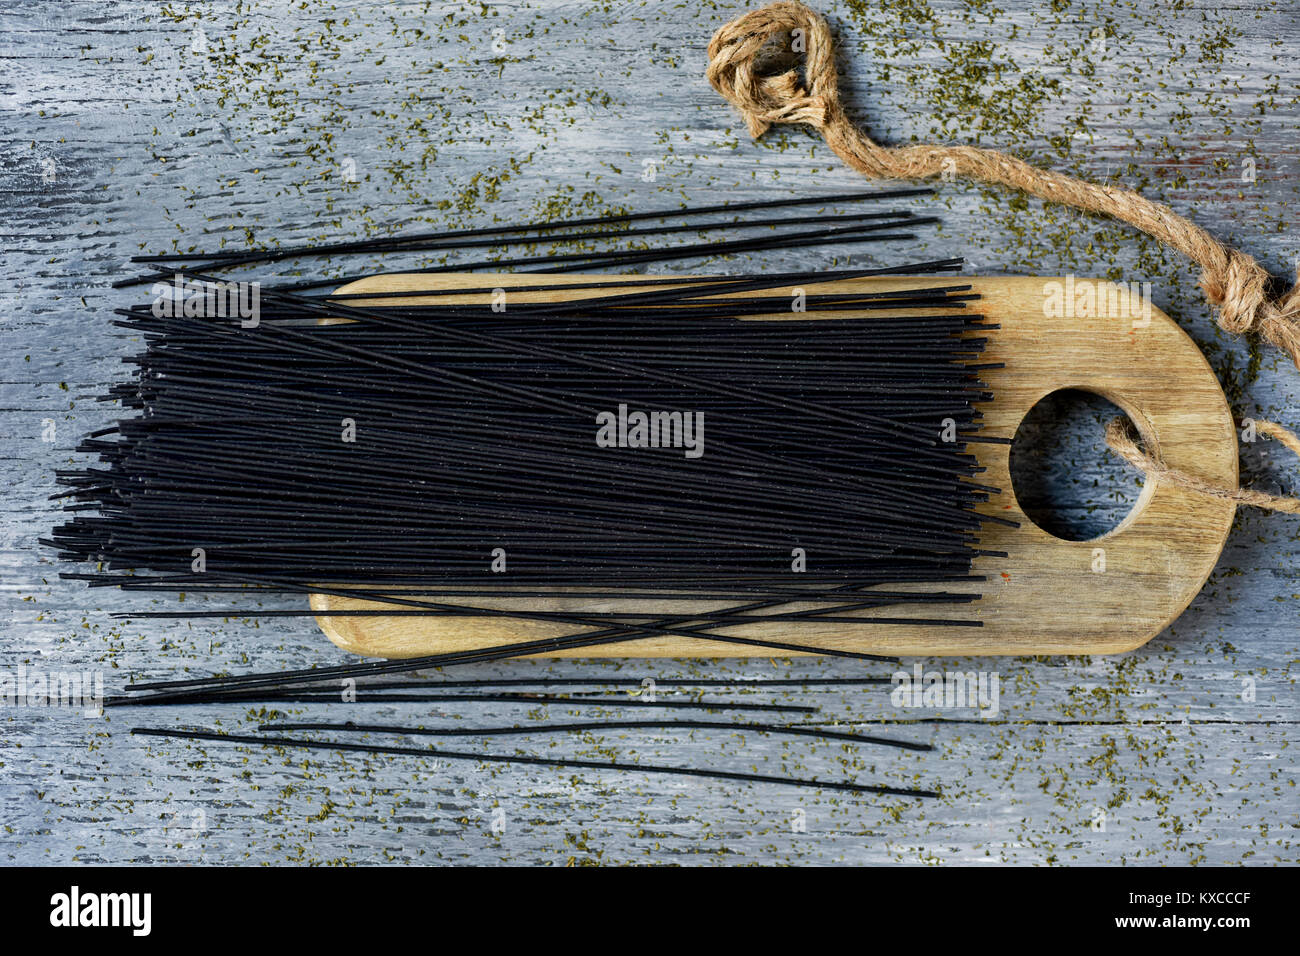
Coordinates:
x,y
624,438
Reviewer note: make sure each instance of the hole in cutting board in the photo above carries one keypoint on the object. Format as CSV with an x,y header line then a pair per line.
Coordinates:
x,y
1066,481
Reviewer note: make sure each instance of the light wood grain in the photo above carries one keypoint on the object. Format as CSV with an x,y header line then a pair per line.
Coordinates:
x,y
1049,596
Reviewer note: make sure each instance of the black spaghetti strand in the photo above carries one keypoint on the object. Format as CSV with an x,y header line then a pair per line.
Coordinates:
x,y
597,726
574,763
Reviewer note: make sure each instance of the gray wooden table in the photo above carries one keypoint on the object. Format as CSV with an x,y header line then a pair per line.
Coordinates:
x,y
144,126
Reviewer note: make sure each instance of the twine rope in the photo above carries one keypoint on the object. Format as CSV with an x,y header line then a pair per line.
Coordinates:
x,y
1120,440
1234,283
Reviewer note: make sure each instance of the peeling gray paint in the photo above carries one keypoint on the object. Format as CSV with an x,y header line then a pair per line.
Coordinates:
x,y
129,126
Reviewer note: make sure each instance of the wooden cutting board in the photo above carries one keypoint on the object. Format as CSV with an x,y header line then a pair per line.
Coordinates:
x,y
1046,597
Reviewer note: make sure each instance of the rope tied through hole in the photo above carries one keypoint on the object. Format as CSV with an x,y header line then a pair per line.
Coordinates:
x,y
1237,286
1121,440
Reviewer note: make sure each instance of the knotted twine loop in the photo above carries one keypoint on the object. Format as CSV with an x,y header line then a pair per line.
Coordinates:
x,y
1234,283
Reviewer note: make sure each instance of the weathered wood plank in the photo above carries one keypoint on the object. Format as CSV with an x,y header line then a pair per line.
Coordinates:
x,y
151,141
